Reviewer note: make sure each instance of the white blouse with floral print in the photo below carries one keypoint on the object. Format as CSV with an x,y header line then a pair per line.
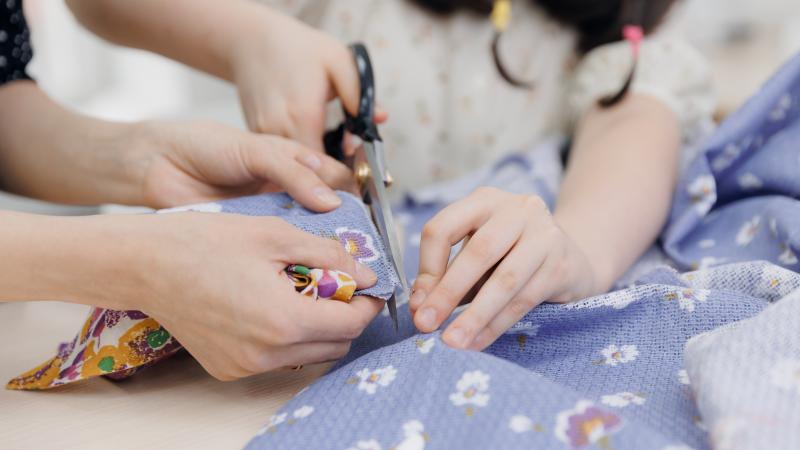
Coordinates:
x,y
451,112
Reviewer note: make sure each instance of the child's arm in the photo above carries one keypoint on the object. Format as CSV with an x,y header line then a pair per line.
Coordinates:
x,y
613,202
286,72
51,153
618,186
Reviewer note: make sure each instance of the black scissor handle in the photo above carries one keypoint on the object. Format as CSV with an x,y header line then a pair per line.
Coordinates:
x,y
362,124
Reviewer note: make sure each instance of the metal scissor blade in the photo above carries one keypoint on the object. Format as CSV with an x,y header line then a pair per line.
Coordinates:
x,y
382,213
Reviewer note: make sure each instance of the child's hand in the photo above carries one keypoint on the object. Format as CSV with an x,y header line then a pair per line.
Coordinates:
x,y
287,72
535,261
189,162
216,282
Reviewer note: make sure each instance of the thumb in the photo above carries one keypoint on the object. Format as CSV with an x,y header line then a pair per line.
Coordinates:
x,y
299,181
343,77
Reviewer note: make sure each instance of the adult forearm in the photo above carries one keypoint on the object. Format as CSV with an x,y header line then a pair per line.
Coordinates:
x,y
75,259
618,186
53,154
199,33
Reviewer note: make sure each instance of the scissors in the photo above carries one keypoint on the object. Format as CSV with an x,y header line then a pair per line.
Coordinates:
x,y
368,164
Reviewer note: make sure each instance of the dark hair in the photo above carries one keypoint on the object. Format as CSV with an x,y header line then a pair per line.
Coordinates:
x,y
597,22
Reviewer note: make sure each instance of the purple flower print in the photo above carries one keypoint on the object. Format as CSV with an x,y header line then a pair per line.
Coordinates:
x,y
358,244
586,424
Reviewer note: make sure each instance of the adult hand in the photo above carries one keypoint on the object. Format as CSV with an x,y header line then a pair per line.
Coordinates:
x,y
535,261
287,72
216,282
186,162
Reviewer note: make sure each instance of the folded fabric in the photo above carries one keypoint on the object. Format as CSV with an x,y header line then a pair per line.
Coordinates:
x,y
116,344
746,378
606,372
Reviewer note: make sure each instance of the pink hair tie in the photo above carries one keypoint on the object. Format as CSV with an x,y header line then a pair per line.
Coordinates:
x,y
634,35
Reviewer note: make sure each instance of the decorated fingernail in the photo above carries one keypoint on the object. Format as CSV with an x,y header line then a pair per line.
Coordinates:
x,y
327,196
417,297
482,340
312,161
426,319
456,337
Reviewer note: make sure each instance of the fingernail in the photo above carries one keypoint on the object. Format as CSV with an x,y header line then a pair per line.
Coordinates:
x,y
417,297
456,338
327,196
426,319
363,271
312,161
482,340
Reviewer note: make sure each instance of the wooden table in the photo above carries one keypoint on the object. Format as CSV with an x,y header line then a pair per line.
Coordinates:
x,y
174,404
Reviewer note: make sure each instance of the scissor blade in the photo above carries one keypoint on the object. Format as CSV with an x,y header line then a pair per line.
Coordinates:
x,y
392,305
379,202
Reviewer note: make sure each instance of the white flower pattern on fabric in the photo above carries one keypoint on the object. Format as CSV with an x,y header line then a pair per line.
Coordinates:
x,y
787,256
369,380
527,328
199,207
303,412
471,390
748,231
623,399
425,345
688,298
781,108
520,423
414,437
272,423
707,243
523,330
785,374
703,192
728,155
708,261
614,355
683,377
371,444
750,182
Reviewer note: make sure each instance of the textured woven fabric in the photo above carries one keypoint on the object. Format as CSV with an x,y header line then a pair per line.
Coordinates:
x,y
746,377
116,344
607,372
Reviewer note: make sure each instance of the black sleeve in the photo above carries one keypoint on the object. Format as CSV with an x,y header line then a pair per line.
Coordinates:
x,y
15,46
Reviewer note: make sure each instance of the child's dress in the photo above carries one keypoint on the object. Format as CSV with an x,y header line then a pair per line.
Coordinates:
x,y
451,112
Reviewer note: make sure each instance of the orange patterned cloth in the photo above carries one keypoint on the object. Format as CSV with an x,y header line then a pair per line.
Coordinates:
x,y
117,344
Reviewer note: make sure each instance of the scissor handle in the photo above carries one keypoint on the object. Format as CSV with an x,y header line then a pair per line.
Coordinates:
x,y
362,124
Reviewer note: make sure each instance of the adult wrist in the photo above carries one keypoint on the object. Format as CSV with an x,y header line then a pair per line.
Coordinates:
x,y
92,260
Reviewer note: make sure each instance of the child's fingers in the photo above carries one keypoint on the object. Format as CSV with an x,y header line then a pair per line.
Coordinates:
x,y
486,247
531,295
381,115
508,279
439,235
344,78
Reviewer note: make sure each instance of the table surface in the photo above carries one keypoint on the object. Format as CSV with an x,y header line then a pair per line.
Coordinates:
x,y
173,404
